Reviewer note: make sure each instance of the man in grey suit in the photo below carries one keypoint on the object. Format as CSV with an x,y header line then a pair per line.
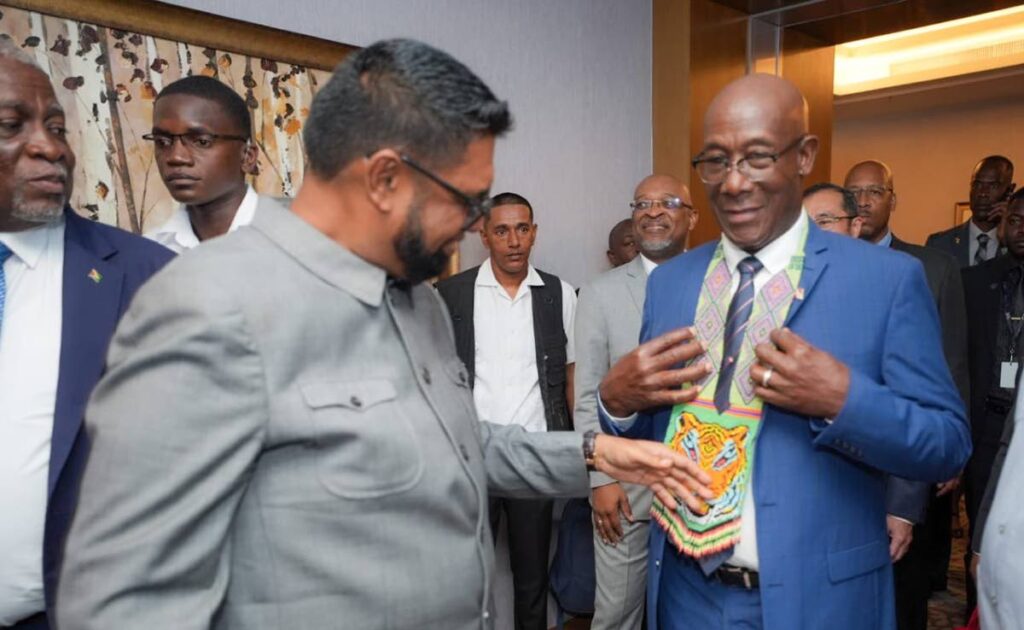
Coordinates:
x,y
607,327
977,239
285,437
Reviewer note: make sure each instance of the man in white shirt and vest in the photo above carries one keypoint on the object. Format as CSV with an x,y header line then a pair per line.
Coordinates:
x,y
608,322
514,331
202,142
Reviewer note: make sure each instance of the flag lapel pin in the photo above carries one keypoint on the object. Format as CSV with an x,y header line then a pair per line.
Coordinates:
x,y
95,276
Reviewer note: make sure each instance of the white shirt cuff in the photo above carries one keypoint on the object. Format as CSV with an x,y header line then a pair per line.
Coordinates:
x,y
624,423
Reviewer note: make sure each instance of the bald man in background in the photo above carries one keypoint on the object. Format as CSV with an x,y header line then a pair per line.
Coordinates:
x,y
607,327
621,243
799,417
918,513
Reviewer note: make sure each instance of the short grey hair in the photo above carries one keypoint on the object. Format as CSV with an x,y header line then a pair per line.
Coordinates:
x,y
10,50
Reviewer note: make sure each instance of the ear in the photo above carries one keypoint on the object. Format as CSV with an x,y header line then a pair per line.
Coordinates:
x,y
612,260
806,154
382,178
250,158
694,215
892,204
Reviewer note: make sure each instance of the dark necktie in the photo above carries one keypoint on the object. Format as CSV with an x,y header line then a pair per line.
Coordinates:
x,y
981,255
735,324
5,252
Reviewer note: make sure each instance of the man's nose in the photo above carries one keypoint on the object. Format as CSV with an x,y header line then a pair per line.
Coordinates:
x,y
43,144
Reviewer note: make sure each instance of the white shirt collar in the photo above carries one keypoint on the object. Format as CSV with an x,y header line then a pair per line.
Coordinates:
x,y
485,277
177,232
775,255
29,245
649,265
974,231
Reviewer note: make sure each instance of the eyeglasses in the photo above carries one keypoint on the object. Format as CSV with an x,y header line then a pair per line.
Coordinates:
x,y
192,141
874,193
668,203
476,207
987,184
754,166
825,220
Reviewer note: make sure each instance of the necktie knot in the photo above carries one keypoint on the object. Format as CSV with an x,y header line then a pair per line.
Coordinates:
x,y
749,267
982,253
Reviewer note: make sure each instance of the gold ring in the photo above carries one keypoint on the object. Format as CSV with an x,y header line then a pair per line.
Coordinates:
x,y
766,378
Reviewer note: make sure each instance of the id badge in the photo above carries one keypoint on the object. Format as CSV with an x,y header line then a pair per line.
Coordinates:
x,y
1008,374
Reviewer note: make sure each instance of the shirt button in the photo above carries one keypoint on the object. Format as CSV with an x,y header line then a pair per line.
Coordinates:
x,y
426,376
464,451
1002,529
657,563
356,402
487,614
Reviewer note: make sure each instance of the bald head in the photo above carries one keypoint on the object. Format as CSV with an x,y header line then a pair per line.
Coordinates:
x,y
621,243
871,182
991,186
755,155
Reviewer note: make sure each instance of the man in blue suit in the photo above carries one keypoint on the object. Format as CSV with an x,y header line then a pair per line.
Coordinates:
x,y
826,364
64,282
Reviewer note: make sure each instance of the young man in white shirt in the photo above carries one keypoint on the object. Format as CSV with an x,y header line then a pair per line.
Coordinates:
x,y
514,331
202,142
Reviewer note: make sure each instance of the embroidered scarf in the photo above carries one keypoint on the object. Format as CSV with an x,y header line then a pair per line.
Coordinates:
x,y
724,444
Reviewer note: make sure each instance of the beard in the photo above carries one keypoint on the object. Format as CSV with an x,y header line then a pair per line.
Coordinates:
x,y
45,210
420,264
655,247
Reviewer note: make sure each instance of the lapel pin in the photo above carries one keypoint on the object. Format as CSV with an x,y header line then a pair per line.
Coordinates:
x,y
956,240
800,293
95,276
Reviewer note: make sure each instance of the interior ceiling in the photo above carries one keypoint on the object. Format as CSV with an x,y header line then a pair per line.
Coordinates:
x,y
838,21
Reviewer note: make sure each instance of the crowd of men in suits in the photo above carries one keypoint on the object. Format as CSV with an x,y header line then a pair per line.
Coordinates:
x,y
336,445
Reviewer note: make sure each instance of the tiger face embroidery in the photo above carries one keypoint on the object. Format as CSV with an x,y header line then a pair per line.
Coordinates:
x,y
722,453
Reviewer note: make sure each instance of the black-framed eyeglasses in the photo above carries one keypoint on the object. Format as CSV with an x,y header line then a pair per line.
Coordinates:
x,y
668,203
873,192
825,220
476,207
755,166
191,140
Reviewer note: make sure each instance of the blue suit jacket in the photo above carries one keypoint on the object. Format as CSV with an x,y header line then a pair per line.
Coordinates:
x,y
91,311
819,487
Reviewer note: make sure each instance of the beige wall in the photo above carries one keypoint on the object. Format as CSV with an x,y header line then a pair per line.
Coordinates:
x,y
931,145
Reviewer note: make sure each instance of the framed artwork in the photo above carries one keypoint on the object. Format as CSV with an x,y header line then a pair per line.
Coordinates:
x,y
961,212
108,59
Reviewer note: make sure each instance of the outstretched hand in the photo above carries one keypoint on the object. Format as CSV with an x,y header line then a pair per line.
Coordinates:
x,y
670,475
645,378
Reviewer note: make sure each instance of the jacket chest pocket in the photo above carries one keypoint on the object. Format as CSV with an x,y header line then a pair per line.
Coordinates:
x,y
366,446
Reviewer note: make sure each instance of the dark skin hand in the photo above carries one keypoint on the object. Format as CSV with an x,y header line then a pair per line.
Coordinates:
x,y
646,377
609,501
804,379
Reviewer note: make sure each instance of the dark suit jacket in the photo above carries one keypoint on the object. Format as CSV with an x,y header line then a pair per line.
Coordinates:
x,y
92,305
983,292
956,241
909,499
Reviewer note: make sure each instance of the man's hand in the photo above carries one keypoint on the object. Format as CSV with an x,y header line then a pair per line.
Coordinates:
x,y
947,486
608,502
901,533
670,475
975,563
645,377
802,378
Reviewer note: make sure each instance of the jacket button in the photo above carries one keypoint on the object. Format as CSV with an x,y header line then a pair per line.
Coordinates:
x,y
426,376
464,451
355,402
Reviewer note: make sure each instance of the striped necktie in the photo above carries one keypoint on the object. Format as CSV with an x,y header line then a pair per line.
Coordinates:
x,y
735,324
981,255
5,253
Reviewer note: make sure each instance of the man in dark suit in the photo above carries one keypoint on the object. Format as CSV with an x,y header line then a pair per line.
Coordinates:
x,y
64,282
976,240
919,523
994,302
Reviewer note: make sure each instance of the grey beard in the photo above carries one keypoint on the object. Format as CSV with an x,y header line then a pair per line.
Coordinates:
x,y
655,247
36,212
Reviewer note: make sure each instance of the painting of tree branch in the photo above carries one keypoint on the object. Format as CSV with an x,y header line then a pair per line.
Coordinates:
x,y
106,79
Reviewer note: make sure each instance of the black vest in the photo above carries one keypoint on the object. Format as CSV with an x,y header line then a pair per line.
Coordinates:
x,y
548,335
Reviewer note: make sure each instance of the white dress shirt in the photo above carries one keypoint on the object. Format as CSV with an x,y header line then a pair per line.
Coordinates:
x,y
991,250
177,235
506,388
30,335
649,265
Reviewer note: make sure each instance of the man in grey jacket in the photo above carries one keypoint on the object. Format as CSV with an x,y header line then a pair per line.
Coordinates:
x,y
285,437
607,327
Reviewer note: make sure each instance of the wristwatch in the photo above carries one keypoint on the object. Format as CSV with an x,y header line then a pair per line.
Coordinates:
x,y
589,444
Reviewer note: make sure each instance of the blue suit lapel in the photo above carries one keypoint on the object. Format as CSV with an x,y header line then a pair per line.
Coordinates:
x,y
91,306
815,262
